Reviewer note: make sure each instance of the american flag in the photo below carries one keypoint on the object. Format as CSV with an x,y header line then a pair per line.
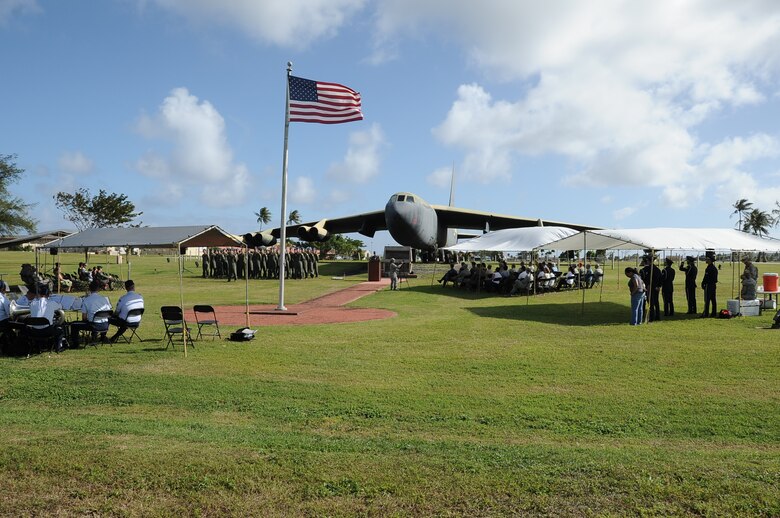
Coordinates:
x,y
325,103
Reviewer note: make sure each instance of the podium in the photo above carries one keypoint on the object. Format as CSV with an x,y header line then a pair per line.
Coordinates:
x,y
374,270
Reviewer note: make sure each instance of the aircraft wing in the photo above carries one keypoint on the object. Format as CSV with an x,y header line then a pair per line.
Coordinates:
x,y
453,217
366,224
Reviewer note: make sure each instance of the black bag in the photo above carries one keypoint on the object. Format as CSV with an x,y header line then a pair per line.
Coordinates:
x,y
242,335
725,313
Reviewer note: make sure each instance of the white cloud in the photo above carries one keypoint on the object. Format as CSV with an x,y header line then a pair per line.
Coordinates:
x,y
623,213
10,7
302,191
441,177
76,162
199,156
618,88
289,23
361,163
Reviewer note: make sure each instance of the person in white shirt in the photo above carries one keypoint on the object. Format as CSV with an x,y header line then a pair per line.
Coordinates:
x,y
42,307
93,303
127,302
5,306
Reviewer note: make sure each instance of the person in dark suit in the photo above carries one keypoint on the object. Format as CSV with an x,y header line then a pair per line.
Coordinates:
x,y
709,283
651,275
691,272
667,287
205,263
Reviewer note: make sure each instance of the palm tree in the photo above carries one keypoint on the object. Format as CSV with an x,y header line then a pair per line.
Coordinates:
x,y
776,214
741,207
294,218
758,222
263,217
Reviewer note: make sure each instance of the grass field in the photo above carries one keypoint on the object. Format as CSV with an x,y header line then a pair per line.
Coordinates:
x,y
464,404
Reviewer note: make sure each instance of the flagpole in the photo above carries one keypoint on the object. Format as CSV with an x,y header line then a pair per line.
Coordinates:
x,y
283,226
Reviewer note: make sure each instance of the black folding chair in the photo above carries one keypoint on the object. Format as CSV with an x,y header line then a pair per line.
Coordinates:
x,y
133,326
212,321
39,332
174,322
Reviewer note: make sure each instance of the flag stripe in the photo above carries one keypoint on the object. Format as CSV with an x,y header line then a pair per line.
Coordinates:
x,y
322,102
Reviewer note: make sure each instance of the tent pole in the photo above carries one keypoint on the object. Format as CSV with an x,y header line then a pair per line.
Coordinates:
x,y
579,274
127,258
181,299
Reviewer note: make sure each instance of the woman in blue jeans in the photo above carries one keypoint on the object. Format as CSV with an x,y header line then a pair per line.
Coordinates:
x,y
637,288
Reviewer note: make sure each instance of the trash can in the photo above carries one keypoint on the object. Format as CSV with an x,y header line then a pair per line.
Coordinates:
x,y
770,282
374,270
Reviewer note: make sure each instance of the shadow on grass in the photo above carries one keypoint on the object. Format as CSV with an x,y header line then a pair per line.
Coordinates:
x,y
565,314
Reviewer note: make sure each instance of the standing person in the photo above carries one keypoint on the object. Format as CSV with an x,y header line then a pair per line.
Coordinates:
x,y
709,283
667,287
637,288
128,301
93,303
205,263
691,272
392,268
231,266
651,276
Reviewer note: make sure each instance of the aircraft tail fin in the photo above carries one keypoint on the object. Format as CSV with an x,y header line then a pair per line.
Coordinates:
x,y
452,186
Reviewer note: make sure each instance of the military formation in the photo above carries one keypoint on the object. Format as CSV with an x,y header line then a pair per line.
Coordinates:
x,y
260,263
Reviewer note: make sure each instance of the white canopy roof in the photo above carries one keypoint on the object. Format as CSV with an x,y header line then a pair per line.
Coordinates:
x,y
666,239
513,239
147,237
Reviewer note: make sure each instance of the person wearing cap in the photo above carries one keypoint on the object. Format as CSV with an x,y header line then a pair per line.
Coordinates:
x,y
93,303
392,268
691,272
651,276
709,283
127,302
667,287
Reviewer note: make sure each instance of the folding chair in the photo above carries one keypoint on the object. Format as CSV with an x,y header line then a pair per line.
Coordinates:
x,y
37,332
173,318
94,334
133,327
207,310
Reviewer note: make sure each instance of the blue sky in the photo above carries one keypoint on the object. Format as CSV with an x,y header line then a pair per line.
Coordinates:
x,y
617,114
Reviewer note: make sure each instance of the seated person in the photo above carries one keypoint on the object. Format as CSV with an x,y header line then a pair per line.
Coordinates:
x,y
60,279
588,277
5,316
25,300
568,281
93,303
449,276
463,274
41,306
103,277
521,283
84,274
128,301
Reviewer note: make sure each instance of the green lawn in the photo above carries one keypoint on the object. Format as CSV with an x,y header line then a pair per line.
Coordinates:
x,y
462,405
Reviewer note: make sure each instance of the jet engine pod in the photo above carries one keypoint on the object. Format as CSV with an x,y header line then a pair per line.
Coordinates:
x,y
255,239
312,234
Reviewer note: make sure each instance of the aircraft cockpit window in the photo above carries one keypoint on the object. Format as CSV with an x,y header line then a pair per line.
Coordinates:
x,y
410,199
401,197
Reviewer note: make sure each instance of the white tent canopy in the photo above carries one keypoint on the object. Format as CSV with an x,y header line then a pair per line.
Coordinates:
x,y
666,239
513,239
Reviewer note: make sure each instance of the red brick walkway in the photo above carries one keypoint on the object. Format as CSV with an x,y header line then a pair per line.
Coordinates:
x,y
328,309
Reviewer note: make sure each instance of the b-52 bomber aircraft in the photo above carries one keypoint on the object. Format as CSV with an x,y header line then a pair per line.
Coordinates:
x,y
411,221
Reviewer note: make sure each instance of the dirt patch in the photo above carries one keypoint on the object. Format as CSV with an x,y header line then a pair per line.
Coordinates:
x,y
328,309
